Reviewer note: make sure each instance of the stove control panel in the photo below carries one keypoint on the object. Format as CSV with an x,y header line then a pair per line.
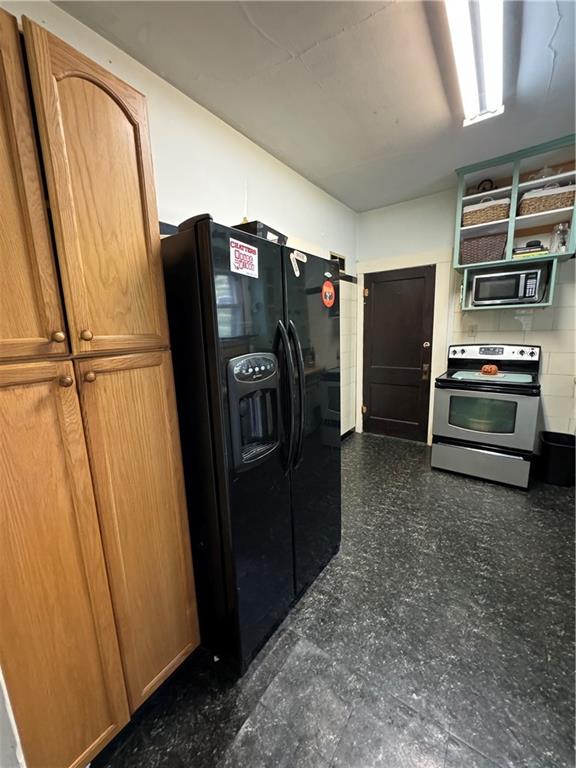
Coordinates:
x,y
517,352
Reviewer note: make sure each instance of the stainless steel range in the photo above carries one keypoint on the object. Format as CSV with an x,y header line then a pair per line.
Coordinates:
x,y
485,424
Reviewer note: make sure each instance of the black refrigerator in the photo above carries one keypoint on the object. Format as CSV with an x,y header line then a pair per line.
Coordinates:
x,y
255,339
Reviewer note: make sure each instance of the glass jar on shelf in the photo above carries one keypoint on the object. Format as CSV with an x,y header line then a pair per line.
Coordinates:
x,y
560,237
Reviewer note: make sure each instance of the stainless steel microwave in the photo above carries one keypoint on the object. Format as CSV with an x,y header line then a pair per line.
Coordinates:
x,y
519,287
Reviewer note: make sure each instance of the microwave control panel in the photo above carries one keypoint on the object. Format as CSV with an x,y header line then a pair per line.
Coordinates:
x,y
531,285
494,352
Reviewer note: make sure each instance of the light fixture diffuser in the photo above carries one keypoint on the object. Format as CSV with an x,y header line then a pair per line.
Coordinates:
x,y
478,46
492,37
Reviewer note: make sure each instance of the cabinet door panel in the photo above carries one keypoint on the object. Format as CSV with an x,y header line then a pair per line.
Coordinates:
x,y
58,646
30,310
94,133
132,429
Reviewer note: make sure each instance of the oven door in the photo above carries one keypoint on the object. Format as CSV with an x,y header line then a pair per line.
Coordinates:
x,y
491,418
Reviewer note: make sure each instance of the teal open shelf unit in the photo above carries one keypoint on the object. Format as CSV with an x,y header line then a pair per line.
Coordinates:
x,y
514,170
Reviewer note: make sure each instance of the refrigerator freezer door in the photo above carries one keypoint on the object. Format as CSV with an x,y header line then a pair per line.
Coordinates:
x,y
244,276
312,304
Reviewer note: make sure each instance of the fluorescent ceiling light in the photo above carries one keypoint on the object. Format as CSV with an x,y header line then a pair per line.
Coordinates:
x,y
463,46
492,36
482,44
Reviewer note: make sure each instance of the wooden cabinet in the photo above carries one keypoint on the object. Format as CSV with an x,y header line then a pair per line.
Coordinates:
x,y
94,134
97,600
59,652
130,420
31,322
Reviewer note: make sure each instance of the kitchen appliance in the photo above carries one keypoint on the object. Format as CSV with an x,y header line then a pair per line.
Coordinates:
x,y
510,287
256,359
262,230
486,425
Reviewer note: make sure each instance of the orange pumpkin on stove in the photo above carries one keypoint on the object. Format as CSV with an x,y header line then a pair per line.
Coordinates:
x,y
489,370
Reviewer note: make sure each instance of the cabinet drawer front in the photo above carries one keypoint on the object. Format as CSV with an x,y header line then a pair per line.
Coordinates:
x,y
58,646
31,322
94,134
130,418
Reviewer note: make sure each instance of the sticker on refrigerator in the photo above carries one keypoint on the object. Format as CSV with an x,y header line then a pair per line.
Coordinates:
x,y
243,258
295,257
328,293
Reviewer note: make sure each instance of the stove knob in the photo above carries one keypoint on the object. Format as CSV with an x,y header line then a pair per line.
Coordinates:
x,y
531,353
522,352
462,351
454,352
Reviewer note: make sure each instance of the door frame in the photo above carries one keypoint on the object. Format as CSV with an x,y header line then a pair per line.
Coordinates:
x,y
443,309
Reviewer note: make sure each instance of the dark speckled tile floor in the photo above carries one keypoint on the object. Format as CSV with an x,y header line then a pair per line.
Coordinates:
x,y
441,636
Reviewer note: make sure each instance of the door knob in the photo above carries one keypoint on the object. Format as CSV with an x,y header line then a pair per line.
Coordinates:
x,y
59,336
66,381
89,376
86,335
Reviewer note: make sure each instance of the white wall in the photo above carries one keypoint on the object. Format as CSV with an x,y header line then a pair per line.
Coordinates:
x,y
348,310
10,749
201,164
410,234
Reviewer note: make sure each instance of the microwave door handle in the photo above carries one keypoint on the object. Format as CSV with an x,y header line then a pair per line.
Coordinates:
x,y
475,298
521,284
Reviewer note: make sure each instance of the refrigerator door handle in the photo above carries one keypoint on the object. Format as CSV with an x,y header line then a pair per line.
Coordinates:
x,y
302,392
290,377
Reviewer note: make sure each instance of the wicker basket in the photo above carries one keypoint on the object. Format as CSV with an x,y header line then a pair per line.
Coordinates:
x,y
486,210
548,199
487,248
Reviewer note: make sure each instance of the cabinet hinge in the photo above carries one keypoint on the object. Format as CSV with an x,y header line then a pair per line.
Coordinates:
x,y
364,409
366,292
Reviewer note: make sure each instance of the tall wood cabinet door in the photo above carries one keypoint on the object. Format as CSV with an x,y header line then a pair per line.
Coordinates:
x,y
94,134
131,425
58,646
31,322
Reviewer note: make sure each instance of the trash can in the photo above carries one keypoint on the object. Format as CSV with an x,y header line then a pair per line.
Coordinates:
x,y
558,456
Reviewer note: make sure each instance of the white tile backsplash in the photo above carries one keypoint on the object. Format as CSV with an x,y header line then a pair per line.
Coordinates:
x,y
557,384
556,406
564,295
552,341
560,424
562,363
565,318
541,319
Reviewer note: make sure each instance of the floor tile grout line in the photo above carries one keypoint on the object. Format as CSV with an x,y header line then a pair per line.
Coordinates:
x,y
332,761
425,716
446,752
259,701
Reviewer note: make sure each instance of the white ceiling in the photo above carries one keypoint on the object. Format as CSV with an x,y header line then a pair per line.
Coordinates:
x,y
359,97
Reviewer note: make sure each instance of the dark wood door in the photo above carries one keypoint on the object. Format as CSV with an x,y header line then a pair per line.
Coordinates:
x,y
398,320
